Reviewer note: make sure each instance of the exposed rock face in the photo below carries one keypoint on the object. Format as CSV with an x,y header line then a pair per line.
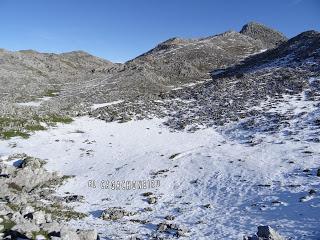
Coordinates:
x,y
266,232
269,37
302,50
28,207
180,60
285,69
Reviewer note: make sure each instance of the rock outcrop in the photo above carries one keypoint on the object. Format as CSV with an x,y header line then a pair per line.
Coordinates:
x,y
269,37
265,233
28,207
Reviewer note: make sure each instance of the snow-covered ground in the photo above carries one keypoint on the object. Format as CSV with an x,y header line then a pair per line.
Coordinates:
x,y
100,105
35,103
214,185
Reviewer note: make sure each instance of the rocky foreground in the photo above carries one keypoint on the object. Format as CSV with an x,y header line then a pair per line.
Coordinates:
x,y
29,209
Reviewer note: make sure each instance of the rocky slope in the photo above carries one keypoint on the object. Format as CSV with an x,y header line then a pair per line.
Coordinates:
x,y
233,91
29,208
269,37
183,60
36,74
69,84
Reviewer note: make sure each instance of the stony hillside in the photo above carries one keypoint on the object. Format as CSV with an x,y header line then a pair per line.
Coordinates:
x,y
69,84
28,74
269,37
286,69
182,60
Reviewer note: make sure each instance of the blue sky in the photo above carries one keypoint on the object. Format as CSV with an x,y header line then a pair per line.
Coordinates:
x,y
120,30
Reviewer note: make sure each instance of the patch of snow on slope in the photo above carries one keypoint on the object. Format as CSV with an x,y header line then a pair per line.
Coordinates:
x,y
36,103
100,105
214,186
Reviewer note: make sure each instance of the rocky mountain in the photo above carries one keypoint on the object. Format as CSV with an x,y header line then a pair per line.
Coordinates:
x,y
269,37
27,73
285,69
180,60
77,80
233,91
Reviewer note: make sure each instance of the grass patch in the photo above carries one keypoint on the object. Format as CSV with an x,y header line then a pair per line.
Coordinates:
x,y
14,133
60,212
58,119
14,186
4,121
7,224
56,182
11,126
50,93
14,207
34,128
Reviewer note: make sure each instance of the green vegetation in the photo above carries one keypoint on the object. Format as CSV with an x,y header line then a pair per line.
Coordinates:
x,y
8,224
57,181
58,119
15,186
14,207
14,133
9,120
12,126
33,128
60,212
50,93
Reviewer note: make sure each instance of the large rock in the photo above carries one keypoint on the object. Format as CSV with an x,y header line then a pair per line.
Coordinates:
x,y
39,217
26,228
27,210
114,213
265,233
33,163
268,233
87,234
30,177
52,228
68,234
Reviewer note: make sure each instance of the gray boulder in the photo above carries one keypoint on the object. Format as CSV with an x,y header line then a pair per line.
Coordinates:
x,y
68,234
39,217
53,227
26,228
114,213
87,234
265,233
268,233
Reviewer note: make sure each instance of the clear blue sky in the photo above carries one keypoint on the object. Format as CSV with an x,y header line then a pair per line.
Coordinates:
x,y
120,30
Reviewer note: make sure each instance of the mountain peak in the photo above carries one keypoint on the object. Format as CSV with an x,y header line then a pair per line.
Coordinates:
x,y
172,42
268,36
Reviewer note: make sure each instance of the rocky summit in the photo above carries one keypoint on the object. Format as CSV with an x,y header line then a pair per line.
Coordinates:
x,y
269,37
205,138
